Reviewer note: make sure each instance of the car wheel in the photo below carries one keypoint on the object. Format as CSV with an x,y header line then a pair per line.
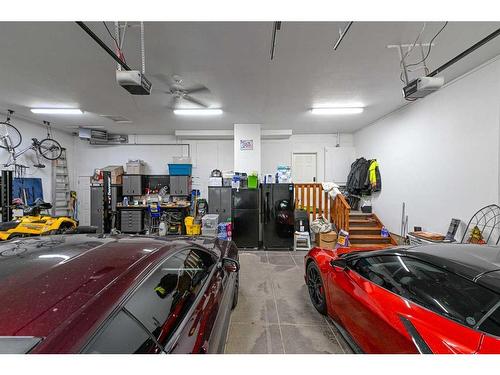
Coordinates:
x,y
63,228
14,235
316,288
236,291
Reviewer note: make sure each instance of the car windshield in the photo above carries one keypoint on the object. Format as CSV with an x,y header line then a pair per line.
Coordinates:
x,y
432,287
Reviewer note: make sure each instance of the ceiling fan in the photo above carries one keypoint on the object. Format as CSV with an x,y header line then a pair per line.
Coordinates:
x,y
180,93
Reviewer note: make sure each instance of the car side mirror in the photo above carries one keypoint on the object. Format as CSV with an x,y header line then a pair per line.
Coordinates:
x,y
339,263
230,264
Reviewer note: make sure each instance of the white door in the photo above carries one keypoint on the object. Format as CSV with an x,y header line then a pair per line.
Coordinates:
x,y
83,196
304,167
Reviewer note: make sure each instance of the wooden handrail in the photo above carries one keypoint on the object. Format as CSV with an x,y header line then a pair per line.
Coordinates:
x,y
312,198
340,212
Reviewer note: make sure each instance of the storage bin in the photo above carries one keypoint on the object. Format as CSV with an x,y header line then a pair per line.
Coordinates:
x,y
135,167
209,232
210,221
215,181
253,182
181,160
180,169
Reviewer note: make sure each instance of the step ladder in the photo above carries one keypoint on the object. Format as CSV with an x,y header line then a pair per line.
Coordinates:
x,y
301,241
60,187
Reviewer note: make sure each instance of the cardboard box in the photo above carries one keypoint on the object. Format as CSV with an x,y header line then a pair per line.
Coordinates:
x,y
326,240
135,167
215,181
116,173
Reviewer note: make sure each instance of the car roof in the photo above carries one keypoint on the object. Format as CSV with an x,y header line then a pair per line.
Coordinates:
x,y
478,263
46,280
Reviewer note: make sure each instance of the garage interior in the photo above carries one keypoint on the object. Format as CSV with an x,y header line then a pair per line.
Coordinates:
x,y
279,136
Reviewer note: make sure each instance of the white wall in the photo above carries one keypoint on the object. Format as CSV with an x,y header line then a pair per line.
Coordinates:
x,y
276,152
247,160
157,151
440,154
31,130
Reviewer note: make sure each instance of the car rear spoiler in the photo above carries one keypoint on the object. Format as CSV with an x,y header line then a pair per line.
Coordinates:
x,y
18,344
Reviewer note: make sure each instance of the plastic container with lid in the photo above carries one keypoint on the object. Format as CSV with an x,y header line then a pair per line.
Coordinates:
x,y
253,182
180,169
210,221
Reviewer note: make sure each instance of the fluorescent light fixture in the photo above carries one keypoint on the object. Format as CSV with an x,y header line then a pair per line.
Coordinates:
x,y
198,112
57,111
337,111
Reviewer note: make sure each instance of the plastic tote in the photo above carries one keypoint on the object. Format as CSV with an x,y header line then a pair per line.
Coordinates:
x,y
180,169
253,182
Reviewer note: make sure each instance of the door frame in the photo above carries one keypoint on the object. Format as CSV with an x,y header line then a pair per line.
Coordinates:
x,y
306,153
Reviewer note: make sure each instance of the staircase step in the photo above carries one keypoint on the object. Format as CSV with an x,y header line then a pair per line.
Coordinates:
x,y
358,214
374,229
362,222
368,239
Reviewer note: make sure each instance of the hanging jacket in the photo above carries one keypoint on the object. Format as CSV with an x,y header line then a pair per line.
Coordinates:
x,y
374,176
357,180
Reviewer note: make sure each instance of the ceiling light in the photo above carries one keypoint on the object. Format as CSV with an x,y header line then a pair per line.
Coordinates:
x,y
199,112
57,111
337,111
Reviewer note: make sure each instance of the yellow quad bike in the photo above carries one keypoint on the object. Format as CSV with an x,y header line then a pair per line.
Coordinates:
x,y
34,223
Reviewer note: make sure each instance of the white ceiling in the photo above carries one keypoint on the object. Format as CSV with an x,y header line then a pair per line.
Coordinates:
x,y
57,64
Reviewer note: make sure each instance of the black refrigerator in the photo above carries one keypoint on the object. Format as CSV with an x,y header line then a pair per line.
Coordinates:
x,y
277,206
245,218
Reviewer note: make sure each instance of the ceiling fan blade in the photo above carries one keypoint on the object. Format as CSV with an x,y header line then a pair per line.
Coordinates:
x,y
173,102
161,91
163,78
195,101
199,89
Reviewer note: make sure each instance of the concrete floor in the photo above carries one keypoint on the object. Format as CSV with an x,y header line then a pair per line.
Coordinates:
x,y
274,313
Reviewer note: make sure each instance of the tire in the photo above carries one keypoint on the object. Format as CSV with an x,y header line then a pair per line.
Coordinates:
x,y
236,292
50,149
11,131
316,288
64,228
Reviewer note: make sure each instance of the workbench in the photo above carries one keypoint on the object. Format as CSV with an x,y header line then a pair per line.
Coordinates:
x,y
132,217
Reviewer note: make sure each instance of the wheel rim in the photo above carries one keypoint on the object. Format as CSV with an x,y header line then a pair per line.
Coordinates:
x,y
50,149
315,286
10,136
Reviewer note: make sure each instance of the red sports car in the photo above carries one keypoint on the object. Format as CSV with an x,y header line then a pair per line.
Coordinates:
x,y
425,299
116,294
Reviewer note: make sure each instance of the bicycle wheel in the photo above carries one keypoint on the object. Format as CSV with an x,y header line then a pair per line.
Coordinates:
x,y
10,137
50,149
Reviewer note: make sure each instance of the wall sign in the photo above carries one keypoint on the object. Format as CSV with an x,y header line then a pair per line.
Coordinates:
x,y
246,144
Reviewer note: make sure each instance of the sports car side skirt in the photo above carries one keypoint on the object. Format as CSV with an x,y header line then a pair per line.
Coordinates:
x,y
419,342
348,338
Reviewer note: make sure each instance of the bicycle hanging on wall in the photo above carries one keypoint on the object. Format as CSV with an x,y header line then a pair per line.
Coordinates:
x,y
10,139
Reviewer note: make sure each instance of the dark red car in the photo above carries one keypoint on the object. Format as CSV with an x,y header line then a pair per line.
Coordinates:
x,y
426,299
116,294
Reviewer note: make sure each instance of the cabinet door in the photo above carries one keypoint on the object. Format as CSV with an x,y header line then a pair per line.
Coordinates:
x,y
96,204
136,184
126,185
225,204
214,200
183,185
174,185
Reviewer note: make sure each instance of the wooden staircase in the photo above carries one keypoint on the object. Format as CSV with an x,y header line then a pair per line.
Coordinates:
x,y
365,231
